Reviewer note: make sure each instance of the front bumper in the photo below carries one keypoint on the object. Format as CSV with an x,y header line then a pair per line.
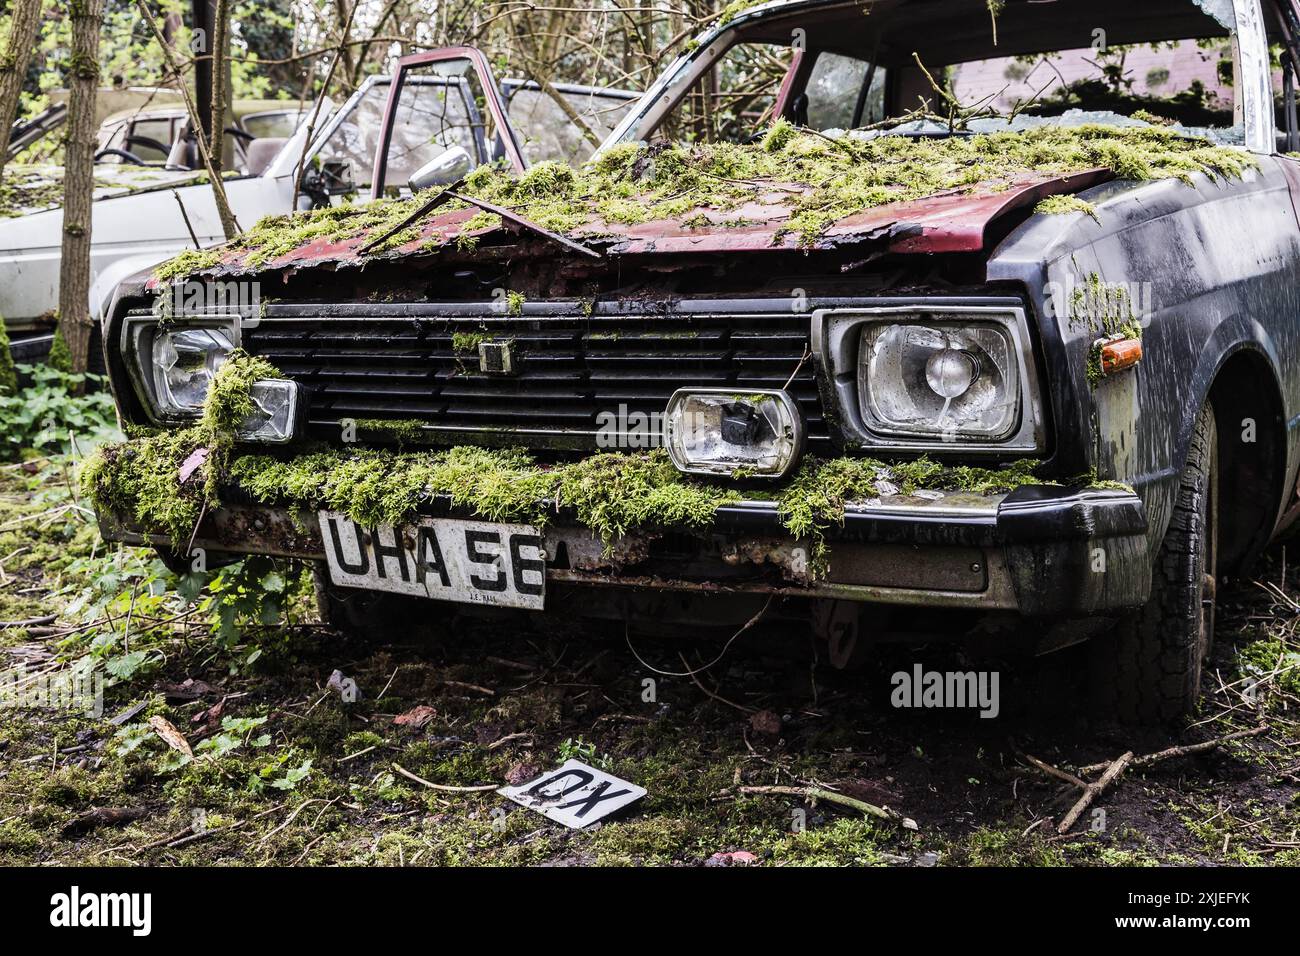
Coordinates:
x,y
1040,551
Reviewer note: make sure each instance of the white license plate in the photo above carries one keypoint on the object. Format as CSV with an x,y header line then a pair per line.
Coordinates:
x,y
473,562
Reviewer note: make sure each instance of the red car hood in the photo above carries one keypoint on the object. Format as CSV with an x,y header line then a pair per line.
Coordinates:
x,y
954,221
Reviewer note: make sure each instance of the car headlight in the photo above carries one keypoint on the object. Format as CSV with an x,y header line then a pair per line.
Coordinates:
x,y
723,432
276,409
939,379
931,375
172,366
185,361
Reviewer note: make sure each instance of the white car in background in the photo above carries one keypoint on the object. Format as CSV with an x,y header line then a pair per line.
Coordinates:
x,y
138,219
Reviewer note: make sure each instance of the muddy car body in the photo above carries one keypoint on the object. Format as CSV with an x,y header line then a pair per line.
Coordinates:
x,y
1163,438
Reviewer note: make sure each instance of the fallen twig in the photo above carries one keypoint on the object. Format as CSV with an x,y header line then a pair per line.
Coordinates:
x,y
830,796
442,786
102,817
1051,771
31,621
1187,750
1094,790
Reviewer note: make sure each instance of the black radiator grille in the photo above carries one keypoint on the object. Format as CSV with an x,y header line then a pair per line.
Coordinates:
x,y
569,369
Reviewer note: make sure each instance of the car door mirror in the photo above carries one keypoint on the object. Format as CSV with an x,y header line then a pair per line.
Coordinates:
x,y
447,168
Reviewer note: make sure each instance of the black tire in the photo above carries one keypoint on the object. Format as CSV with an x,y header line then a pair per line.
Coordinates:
x,y
358,613
1148,669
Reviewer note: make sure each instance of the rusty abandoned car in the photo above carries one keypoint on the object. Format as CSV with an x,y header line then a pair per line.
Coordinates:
x,y
830,327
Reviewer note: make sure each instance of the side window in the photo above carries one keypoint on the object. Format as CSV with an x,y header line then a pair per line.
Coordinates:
x,y
732,101
273,123
835,93
548,133
156,130
354,140
110,137
433,115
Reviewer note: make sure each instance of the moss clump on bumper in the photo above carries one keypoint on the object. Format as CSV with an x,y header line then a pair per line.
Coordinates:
x,y
612,494
164,481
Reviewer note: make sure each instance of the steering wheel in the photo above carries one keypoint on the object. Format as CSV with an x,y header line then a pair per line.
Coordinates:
x,y
238,133
127,155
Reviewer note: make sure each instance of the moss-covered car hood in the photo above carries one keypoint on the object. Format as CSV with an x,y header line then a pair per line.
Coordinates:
x,y
35,188
793,190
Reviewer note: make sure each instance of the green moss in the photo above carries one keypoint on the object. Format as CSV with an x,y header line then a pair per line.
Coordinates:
x,y
60,357
1105,310
8,374
1273,664
229,399
405,432
27,188
187,263
611,493
1064,205
845,842
464,342
989,846
141,477
823,180
816,498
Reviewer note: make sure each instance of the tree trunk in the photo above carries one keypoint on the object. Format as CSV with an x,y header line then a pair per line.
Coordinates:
x,y
220,50
25,21
198,118
79,180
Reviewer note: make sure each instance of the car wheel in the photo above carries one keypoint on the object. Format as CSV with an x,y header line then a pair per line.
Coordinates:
x,y
356,612
1148,669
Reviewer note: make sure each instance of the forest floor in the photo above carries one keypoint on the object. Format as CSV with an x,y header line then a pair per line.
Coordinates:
x,y
282,770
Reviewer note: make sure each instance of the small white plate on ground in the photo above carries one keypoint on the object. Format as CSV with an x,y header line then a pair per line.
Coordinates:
x,y
575,794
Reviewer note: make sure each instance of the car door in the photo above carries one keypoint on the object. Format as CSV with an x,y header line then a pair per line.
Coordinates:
x,y
424,131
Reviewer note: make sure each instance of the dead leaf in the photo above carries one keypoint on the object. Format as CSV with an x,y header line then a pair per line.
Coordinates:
x,y
416,718
522,772
209,721
193,463
188,689
173,737
765,722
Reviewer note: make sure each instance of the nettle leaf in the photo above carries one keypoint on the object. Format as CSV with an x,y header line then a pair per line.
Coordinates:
x,y
130,737
190,587
241,725
173,760
124,666
219,746
294,777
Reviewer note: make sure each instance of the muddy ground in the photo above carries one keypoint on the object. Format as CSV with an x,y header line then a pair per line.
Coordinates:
x,y
286,771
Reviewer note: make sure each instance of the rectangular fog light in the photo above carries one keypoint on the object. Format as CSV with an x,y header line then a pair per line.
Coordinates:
x,y
720,431
274,420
